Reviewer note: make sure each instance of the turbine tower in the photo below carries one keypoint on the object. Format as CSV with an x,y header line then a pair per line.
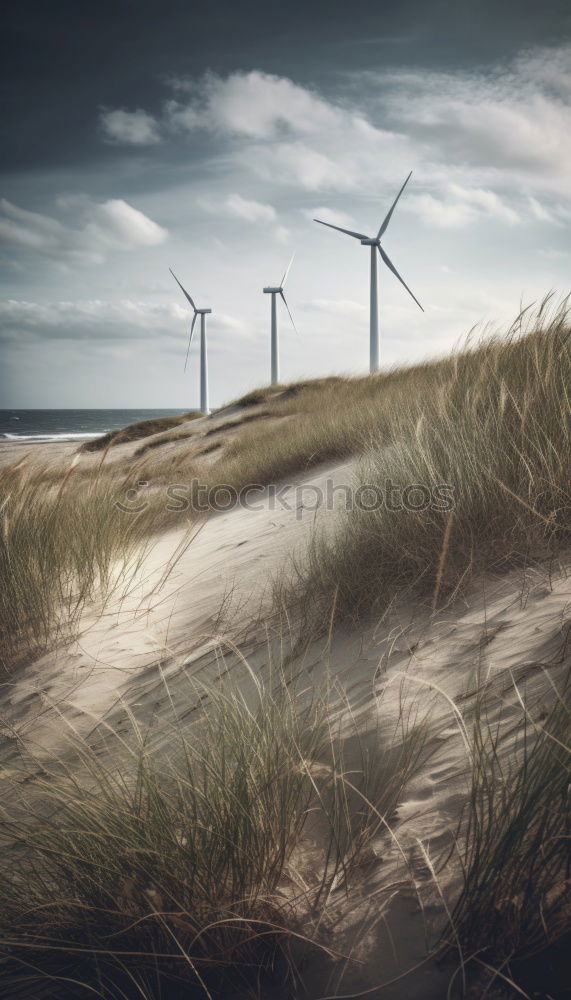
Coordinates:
x,y
203,352
274,291
374,243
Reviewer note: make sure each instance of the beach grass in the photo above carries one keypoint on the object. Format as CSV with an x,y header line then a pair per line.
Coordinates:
x,y
201,859
467,470
62,543
514,906
136,431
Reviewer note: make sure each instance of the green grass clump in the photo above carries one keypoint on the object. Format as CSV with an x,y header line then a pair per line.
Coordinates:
x,y
178,862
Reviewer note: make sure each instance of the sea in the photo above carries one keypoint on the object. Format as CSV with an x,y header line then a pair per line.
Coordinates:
x,y
25,426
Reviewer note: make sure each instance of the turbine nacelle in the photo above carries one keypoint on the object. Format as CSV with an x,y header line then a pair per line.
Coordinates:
x,y
203,353
375,241
274,291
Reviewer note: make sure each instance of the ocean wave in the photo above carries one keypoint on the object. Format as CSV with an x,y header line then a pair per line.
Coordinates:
x,y
63,436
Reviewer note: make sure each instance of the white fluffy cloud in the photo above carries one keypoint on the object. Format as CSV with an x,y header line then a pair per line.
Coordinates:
x,y
119,224
281,131
505,125
95,230
514,117
135,128
257,105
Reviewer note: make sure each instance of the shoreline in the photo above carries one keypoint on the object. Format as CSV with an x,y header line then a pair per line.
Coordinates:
x,y
52,439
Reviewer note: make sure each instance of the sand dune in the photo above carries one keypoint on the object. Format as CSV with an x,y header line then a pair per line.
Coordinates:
x,y
171,619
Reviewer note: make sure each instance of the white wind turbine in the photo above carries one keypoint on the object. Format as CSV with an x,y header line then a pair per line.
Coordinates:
x,y
275,290
374,242
203,353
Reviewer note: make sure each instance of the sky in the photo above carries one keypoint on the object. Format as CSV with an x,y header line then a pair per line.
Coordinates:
x,y
141,135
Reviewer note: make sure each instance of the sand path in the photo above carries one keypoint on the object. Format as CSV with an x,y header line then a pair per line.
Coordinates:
x,y
175,604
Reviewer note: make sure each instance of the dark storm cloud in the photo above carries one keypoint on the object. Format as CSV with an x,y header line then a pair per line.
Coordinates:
x,y
63,60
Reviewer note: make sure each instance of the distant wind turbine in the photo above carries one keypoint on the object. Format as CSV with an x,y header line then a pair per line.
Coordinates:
x,y
274,291
203,353
374,242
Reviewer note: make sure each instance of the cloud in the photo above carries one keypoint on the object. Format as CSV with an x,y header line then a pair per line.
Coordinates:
x,y
557,214
135,128
539,212
255,104
509,117
299,164
98,228
460,206
251,211
248,210
19,227
100,320
119,224
279,130
86,319
504,130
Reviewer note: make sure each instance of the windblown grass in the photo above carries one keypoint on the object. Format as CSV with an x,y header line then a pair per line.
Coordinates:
x,y
492,425
514,904
320,421
133,432
60,545
188,869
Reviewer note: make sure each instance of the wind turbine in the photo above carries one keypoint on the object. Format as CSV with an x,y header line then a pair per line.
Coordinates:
x,y
274,291
203,353
374,242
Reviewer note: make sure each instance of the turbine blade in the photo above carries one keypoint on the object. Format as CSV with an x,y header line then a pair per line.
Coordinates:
x,y
358,236
286,272
288,312
387,218
392,268
190,338
182,289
